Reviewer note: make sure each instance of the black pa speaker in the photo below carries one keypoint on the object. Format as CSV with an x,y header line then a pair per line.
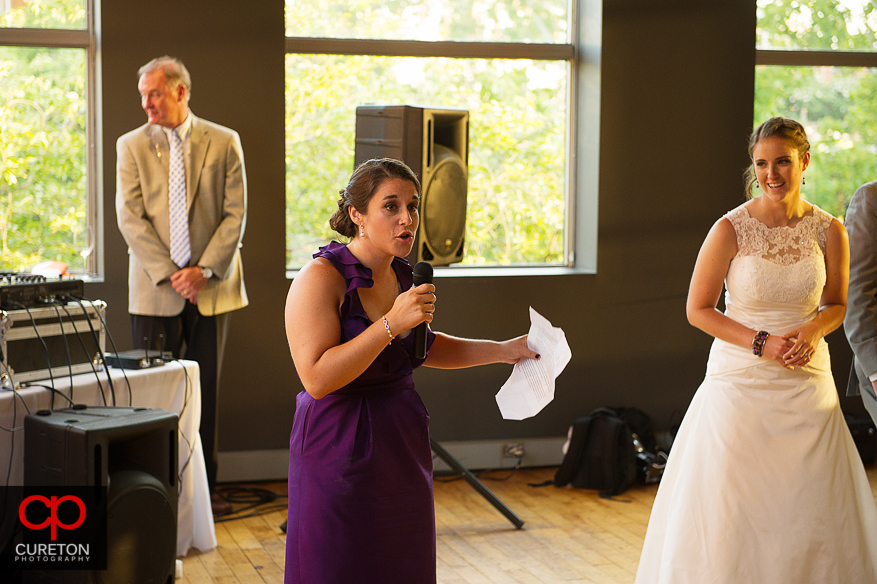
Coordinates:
x,y
434,142
133,453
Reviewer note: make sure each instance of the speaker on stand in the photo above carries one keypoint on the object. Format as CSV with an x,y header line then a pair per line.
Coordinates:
x,y
133,453
434,143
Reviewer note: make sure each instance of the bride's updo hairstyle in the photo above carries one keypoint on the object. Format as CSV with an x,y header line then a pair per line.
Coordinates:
x,y
788,129
363,184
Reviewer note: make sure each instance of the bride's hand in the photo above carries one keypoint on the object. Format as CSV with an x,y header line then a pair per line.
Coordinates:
x,y
776,348
803,342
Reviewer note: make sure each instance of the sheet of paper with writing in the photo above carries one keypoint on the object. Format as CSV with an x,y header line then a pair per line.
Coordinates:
x,y
531,384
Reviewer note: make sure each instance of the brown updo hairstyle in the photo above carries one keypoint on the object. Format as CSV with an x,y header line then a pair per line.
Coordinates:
x,y
364,182
788,129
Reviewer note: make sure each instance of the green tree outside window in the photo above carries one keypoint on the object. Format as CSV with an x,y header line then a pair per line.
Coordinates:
x,y
43,108
517,109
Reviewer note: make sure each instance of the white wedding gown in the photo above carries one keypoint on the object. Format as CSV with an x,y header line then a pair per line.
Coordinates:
x,y
764,484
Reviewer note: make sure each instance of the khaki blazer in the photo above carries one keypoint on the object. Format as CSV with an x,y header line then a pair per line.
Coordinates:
x,y
216,188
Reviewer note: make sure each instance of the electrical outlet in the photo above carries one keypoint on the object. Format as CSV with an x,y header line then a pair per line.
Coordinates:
x,y
515,450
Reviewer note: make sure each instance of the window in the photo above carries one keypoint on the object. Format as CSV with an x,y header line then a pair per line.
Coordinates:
x,y
511,64
816,61
48,208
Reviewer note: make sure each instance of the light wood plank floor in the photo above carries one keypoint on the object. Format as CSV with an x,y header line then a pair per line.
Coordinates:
x,y
570,536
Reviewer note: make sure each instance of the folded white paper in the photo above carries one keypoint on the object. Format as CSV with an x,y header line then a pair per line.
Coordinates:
x,y
531,384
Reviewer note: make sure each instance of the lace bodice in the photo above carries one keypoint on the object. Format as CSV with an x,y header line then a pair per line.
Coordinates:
x,y
778,273
781,245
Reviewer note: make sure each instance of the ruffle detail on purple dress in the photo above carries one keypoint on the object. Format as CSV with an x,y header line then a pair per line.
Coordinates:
x,y
398,357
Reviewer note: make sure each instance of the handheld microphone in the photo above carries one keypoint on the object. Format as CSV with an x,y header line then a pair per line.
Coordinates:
x,y
422,275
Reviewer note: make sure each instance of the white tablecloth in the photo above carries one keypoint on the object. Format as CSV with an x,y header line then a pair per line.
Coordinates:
x,y
173,387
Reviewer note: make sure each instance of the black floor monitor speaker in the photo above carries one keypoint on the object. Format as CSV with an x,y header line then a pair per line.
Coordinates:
x,y
132,452
434,142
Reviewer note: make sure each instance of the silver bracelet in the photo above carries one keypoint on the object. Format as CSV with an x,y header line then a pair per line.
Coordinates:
x,y
387,326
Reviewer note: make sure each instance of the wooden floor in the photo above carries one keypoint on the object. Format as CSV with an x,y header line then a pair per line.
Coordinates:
x,y
570,536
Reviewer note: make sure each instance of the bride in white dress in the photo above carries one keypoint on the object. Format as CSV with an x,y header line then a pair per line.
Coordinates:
x,y
764,484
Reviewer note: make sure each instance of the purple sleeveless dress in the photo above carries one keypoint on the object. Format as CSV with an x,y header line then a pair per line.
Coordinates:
x,y
360,463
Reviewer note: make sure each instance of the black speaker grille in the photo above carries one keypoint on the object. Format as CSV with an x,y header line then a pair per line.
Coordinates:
x,y
141,529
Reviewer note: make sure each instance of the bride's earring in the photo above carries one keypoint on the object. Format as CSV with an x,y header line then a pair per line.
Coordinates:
x,y
361,231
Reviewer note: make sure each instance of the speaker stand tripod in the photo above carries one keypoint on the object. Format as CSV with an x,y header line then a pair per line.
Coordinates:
x,y
476,483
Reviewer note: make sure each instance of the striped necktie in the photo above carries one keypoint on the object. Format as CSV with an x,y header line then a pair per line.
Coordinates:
x,y
179,216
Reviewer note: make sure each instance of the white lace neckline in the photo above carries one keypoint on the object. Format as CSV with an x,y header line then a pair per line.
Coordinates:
x,y
781,245
784,265
811,216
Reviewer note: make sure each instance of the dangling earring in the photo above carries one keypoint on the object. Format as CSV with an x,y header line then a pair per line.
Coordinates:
x,y
803,182
361,232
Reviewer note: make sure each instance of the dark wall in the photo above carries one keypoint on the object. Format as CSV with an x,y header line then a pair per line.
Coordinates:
x,y
677,94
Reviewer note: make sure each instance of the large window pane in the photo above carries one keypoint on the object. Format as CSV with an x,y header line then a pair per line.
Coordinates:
x,y
59,14
838,107
43,160
520,21
517,111
817,25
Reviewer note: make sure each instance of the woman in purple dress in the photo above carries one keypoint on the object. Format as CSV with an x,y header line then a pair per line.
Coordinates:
x,y
360,463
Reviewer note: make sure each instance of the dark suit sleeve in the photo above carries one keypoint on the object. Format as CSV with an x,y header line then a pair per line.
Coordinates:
x,y
860,324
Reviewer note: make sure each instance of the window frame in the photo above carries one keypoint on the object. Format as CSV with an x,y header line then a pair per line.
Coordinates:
x,y
820,58
798,58
86,38
582,54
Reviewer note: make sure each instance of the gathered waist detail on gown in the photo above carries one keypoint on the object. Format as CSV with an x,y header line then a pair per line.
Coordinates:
x,y
778,319
726,358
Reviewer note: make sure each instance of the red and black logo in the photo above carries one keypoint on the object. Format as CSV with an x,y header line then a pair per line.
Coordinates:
x,y
54,528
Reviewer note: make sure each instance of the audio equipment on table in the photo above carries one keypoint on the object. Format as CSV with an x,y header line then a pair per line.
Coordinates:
x,y
18,290
55,337
137,359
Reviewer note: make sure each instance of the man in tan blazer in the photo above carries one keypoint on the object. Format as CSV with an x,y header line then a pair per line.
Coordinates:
x,y
180,305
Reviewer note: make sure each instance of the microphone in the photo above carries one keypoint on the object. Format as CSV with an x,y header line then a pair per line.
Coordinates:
x,y
422,275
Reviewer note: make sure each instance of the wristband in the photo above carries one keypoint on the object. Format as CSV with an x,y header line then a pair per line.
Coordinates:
x,y
758,343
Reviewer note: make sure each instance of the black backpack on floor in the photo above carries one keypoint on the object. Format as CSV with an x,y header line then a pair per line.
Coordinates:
x,y
600,455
